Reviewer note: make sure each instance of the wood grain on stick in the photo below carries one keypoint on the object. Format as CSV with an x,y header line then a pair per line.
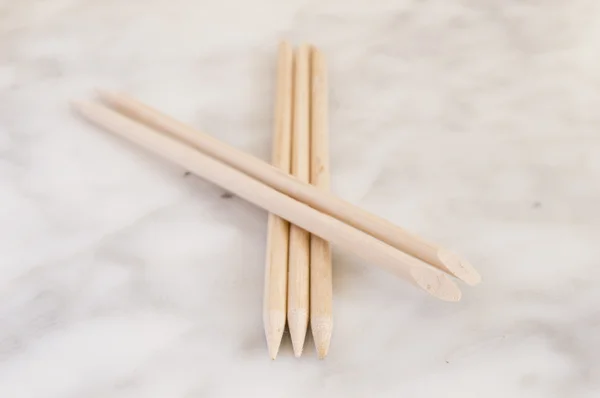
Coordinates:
x,y
321,288
372,250
299,260
378,227
278,229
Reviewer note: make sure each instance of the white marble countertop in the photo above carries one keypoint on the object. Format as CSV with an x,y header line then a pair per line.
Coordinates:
x,y
473,123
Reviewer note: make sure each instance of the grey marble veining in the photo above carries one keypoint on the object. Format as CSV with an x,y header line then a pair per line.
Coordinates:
x,y
473,123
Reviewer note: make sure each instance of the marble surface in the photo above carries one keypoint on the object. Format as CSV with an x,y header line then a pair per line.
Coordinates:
x,y
473,123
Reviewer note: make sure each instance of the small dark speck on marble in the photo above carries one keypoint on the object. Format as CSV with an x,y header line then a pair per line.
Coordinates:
x,y
187,173
227,195
536,205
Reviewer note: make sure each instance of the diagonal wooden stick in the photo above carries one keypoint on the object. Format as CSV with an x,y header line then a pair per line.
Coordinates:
x,y
378,227
331,229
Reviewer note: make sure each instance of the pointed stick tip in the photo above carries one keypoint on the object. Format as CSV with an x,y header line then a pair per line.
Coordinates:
x,y
321,328
284,44
298,325
274,322
273,348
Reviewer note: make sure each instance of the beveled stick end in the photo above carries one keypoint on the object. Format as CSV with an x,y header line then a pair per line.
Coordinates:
x,y
437,284
459,267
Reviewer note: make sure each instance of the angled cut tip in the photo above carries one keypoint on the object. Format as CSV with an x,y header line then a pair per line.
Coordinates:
x,y
77,104
85,108
285,45
105,95
459,267
437,284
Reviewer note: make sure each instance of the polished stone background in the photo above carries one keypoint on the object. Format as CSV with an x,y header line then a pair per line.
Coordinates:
x,y
473,123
